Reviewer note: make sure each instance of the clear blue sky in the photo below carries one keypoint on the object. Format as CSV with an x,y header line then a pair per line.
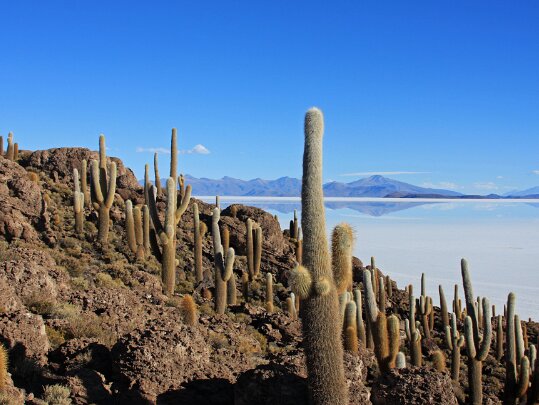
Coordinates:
x,y
448,89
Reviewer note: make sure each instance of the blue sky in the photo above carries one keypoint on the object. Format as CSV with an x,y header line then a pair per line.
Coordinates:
x,y
446,90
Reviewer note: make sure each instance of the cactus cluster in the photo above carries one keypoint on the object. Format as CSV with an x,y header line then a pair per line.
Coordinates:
x,y
223,267
137,225
12,151
254,248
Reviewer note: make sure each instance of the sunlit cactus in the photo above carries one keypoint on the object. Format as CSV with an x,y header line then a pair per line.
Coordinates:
x,y
477,353
269,292
156,172
78,204
342,242
199,273
321,323
223,270
189,310
454,343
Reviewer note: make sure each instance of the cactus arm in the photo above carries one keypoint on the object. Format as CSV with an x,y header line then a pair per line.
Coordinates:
x,y
371,307
156,172
487,331
154,215
184,204
96,187
523,378
111,189
229,265
468,333
469,296
130,226
174,155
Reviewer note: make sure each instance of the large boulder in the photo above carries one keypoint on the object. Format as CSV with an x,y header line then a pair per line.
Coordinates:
x,y
413,386
158,358
23,333
20,203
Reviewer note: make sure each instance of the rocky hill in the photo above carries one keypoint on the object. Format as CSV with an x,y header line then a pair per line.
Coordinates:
x,y
86,322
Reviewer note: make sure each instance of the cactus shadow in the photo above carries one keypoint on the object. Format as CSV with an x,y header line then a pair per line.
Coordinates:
x,y
215,391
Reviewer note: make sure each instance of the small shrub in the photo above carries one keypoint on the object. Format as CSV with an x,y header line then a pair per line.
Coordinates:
x,y
56,338
33,176
57,395
80,283
105,280
40,303
85,325
65,311
218,340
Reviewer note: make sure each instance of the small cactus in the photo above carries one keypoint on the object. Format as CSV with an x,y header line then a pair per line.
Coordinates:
x,y
400,361
439,361
245,286
413,335
189,310
342,242
300,282
290,307
10,153
269,292
3,366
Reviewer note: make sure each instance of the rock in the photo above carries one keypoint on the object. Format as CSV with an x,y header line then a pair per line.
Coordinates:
x,y
20,203
413,386
23,333
271,384
83,353
89,387
158,358
33,273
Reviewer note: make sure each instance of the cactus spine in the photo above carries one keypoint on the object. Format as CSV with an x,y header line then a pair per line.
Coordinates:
x,y
342,240
269,292
78,204
321,323
454,342
223,270
477,353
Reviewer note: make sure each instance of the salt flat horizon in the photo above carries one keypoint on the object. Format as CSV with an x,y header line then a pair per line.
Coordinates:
x,y
370,199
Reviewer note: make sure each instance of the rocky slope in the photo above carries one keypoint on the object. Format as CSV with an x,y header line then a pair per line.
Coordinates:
x,y
93,319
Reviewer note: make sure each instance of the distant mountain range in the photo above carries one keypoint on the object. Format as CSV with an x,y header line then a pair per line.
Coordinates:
x,y
373,186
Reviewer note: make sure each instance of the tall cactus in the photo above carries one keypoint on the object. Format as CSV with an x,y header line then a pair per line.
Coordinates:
x,y
1,146
477,353
103,193
10,153
499,337
254,248
425,310
199,274
223,270
166,232
471,309
321,322
384,332
413,335
351,342
78,204
454,342
137,229
359,322
516,378
443,308
156,172
84,184
342,241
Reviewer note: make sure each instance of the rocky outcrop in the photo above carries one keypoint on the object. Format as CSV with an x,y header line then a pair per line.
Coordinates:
x,y
20,203
413,386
